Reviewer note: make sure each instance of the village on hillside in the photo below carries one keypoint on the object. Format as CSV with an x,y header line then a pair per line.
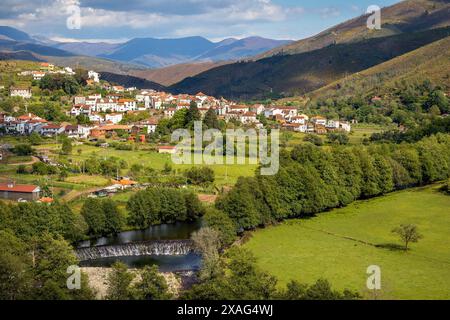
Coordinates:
x,y
106,112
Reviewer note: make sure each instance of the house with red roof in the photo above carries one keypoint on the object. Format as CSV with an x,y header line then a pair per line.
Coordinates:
x,y
12,191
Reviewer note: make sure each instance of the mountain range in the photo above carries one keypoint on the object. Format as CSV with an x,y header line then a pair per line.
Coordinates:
x,y
157,53
144,53
307,65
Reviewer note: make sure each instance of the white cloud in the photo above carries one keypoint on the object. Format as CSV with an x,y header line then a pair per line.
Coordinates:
x,y
212,18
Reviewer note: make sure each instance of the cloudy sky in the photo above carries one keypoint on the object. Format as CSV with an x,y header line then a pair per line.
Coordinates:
x,y
118,20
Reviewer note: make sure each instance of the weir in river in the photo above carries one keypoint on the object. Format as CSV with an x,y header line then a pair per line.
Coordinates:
x,y
145,248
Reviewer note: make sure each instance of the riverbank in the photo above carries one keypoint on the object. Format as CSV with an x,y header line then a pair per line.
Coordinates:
x,y
176,281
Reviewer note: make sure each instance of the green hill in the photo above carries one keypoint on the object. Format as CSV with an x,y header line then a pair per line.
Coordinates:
x,y
287,75
406,16
430,62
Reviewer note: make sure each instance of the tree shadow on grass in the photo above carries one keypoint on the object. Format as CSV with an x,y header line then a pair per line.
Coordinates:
x,y
391,246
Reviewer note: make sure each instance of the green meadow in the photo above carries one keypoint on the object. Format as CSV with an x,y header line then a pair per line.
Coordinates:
x,y
224,174
339,246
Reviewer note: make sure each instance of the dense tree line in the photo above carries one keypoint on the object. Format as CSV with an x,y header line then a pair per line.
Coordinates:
x,y
59,82
162,205
436,125
149,285
313,179
406,103
199,175
36,251
28,220
102,216
37,268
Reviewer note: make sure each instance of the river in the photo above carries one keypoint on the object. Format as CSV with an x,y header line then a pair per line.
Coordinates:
x,y
165,245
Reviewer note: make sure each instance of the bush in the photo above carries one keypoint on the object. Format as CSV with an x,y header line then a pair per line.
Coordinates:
x,y
162,205
314,139
23,150
199,176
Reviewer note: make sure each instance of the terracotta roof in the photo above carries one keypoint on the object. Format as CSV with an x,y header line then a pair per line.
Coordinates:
x,y
18,188
51,126
46,200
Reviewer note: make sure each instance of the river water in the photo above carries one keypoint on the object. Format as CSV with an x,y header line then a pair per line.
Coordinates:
x,y
164,245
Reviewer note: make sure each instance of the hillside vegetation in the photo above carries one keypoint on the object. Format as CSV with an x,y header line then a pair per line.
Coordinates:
x,y
285,75
406,16
430,62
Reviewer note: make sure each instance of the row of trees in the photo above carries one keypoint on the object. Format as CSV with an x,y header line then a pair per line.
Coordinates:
x,y
313,179
102,216
162,205
149,284
28,220
436,125
36,268
36,252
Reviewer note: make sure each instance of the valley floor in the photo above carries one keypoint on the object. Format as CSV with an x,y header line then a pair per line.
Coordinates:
x,y
341,244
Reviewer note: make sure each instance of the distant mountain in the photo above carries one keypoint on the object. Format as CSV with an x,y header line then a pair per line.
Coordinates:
x,y
173,74
309,64
405,16
158,53
9,33
130,81
239,49
9,45
87,48
43,49
19,55
296,74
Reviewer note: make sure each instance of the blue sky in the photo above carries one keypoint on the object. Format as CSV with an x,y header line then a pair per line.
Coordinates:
x,y
115,20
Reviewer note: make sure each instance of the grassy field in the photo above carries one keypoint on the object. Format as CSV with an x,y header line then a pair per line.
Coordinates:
x,y
361,131
329,246
225,174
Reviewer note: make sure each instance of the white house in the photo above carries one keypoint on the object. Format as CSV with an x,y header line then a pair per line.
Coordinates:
x,y
298,120
333,124
38,75
257,108
23,92
248,117
94,76
169,112
319,120
106,104
151,125
51,129
113,117
237,108
128,105
79,100
84,131
80,109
